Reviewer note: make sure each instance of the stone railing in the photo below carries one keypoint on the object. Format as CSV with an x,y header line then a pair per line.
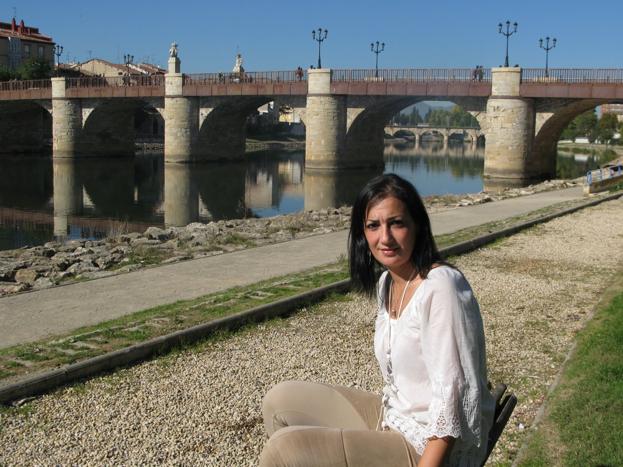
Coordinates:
x,y
572,75
414,74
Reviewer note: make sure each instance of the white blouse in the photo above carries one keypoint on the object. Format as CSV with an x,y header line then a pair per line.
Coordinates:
x,y
437,385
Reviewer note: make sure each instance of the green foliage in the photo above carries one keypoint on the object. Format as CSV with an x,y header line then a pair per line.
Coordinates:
x,y
34,69
607,127
30,69
6,74
583,425
584,125
457,117
415,117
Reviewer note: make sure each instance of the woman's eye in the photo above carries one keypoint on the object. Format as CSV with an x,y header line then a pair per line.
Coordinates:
x,y
371,226
398,223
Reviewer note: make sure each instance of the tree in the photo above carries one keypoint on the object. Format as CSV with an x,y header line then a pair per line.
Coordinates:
x,y
6,74
457,117
607,127
34,69
414,117
586,125
571,131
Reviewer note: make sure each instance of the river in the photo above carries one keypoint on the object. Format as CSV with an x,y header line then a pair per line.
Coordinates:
x,y
92,198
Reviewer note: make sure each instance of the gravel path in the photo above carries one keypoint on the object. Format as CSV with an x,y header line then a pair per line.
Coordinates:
x,y
202,406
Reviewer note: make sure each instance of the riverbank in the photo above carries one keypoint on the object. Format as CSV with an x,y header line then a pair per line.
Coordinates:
x,y
252,145
590,148
58,263
535,291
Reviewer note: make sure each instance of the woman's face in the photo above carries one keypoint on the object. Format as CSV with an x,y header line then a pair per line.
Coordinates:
x,y
390,232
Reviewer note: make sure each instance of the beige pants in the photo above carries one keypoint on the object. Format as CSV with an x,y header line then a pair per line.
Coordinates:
x,y
313,424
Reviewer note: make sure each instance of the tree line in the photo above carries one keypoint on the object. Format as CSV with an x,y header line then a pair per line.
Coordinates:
x,y
587,125
439,118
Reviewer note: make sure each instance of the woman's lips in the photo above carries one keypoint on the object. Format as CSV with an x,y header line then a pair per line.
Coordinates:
x,y
389,251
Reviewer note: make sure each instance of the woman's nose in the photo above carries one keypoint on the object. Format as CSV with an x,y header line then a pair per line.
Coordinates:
x,y
386,234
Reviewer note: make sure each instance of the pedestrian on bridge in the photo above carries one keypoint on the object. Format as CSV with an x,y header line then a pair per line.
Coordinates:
x,y
435,408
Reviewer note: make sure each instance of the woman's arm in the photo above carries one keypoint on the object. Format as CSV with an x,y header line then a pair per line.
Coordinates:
x,y
435,451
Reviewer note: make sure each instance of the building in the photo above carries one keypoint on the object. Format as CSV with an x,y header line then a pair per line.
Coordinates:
x,y
20,43
616,109
99,67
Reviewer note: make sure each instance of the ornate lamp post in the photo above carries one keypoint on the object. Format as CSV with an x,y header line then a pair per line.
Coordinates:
x,y
319,36
547,48
377,51
128,59
58,51
508,34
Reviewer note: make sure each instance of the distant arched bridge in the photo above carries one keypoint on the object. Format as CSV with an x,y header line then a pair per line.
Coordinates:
x,y
470,135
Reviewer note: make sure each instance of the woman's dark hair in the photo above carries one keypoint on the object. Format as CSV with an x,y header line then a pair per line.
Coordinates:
x,y
364,269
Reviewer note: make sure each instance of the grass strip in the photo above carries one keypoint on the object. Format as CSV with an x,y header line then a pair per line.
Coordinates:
x,y
582,424
91,341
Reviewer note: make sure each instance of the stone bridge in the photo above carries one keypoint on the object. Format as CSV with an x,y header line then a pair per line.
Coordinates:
x,y
521,112
471,135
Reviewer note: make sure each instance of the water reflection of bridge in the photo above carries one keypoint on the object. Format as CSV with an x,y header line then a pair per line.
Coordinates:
x,y
433,149
94,198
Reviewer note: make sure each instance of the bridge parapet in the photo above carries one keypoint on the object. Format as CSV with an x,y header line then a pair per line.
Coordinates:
x,y
535,82
412,75
245,77
571,75
22,90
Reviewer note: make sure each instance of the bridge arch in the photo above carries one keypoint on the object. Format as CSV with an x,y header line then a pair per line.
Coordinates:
x,y
404,133
25,127
222,130
110,127
551,127
458,135
368,117
366,121
432,133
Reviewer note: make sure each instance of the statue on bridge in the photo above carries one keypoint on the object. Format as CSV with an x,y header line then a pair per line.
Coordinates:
x,y
173,50
174,60
238,68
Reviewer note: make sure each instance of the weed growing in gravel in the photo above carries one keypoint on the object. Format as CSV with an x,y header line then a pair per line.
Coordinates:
x,y
235,239
147,256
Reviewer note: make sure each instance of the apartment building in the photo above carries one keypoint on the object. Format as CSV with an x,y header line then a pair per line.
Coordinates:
x,y
20,43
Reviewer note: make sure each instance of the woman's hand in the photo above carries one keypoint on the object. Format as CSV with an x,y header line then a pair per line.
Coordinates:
x,y
435,451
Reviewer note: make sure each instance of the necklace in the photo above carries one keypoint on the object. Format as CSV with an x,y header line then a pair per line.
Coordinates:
x,y
393,313
390,386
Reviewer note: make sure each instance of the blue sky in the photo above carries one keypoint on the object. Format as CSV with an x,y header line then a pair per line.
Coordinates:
x,y
276,34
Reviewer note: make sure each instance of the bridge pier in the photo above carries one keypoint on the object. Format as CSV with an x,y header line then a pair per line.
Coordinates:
x,y
510,132
181,128
66,121
181,198
67,194
325,123
335,188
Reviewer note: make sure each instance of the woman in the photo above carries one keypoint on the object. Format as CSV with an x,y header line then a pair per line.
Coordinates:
x,y
435,408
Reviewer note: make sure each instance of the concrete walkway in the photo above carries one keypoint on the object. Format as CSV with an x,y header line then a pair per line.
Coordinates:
x,y
35,315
